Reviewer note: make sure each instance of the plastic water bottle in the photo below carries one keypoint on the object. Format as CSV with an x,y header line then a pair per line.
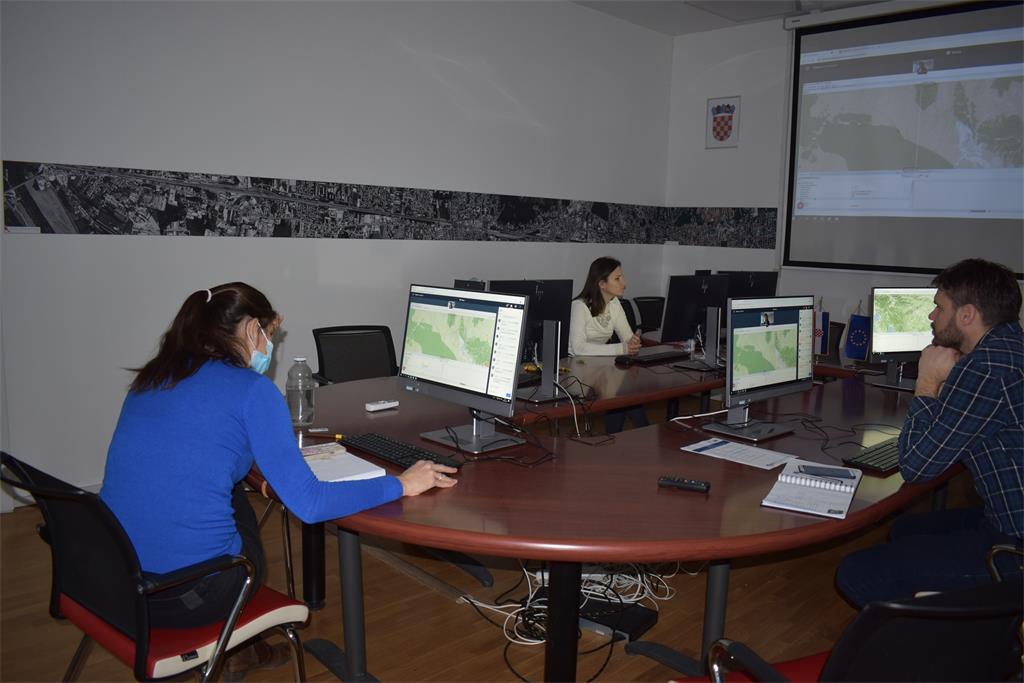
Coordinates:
x,y
300,390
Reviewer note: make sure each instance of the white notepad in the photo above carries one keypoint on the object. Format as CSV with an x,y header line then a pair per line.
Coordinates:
x,y
762,458
332,462
828,491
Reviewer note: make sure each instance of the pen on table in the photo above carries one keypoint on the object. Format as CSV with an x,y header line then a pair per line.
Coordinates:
x,y
320,435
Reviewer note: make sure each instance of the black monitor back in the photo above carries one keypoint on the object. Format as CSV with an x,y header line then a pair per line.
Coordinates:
x,y
686,306
475,285
751,283
549,300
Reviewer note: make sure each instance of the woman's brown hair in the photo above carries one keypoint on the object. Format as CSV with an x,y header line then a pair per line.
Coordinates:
x,y
591,294
204,329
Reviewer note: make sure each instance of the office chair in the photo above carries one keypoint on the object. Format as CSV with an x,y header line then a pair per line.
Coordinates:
x,y
627,308
349,352
99,586
651,308
964,635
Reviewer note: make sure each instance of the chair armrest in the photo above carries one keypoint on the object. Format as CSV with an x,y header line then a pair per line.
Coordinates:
x,y
321,380
741,658
996,550
158,582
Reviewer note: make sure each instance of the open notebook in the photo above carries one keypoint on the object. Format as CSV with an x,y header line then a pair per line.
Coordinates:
x,y
332,462
816,489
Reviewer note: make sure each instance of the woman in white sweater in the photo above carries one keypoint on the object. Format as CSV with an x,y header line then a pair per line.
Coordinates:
x,y
596,314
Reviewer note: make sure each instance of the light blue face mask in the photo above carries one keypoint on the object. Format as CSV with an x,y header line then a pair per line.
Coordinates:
x,y
259,361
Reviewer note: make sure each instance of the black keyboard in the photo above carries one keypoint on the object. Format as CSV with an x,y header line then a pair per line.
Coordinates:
x,y
883,457
395,451
700,365
651,358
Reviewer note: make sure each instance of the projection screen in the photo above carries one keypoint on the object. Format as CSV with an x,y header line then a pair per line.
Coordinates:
x,y
906,145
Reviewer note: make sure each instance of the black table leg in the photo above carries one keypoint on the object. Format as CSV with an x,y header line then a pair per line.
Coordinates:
x,y
714,627
563,621
705,401
714,604
348,664
313,571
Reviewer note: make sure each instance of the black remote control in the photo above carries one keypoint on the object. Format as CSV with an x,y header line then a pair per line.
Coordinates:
x,y
684,484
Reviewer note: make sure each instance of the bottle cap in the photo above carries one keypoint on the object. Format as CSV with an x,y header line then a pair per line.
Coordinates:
x,y
299,359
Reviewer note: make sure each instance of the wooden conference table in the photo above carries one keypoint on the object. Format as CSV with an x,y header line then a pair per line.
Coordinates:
x,y
602,504
608,387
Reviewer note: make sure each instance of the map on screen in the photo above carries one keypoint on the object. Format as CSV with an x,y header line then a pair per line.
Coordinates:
x,y
763,355
932,124
462,337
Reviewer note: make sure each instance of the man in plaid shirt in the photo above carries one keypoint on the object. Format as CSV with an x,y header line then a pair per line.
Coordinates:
x,y
968,407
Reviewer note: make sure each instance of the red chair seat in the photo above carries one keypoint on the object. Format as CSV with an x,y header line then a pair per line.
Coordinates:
x,y
174,650
796,670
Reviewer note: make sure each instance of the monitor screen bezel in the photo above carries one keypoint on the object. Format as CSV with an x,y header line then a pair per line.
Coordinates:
x,y
460,396
893,356
746,396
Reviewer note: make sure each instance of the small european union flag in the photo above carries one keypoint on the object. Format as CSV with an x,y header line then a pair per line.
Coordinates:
x,y
858,337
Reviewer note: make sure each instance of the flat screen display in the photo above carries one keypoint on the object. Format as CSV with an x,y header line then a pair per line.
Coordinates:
x,y
464,340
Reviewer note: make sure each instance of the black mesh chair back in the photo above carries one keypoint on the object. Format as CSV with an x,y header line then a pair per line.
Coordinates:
x,y
651,309
627,308
964,635
94,561
351,352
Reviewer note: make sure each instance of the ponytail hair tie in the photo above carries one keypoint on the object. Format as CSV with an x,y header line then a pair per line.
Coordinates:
x,y
209,295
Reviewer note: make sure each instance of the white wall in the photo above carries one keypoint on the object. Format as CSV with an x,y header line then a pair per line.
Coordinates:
x,y
547,99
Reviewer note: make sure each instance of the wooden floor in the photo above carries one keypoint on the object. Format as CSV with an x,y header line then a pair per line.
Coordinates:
x,y
783,606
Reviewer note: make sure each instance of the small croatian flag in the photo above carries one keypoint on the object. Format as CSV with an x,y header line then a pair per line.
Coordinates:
x,y
821,332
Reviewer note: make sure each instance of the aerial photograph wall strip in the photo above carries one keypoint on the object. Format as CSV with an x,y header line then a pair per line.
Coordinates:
x,y
74,199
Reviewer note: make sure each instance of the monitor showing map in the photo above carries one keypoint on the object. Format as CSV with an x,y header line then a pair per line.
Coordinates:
x,y
463,346
770,353
906,141
900,327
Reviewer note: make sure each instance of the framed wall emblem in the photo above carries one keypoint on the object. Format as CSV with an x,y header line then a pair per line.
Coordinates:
x,y
723,123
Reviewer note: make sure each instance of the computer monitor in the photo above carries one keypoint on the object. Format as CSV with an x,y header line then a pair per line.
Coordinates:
x,y
686,306
900,329
463,346
751,283
770,352
549,300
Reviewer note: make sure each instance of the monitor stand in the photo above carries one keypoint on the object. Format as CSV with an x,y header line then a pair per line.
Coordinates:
x,y
479,436
894,378
709,342
547,391
737,424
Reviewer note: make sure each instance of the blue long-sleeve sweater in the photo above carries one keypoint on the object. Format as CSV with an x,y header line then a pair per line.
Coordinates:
x,y
177,453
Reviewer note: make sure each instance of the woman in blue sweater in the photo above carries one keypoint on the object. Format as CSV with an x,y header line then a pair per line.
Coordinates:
x,y
197,417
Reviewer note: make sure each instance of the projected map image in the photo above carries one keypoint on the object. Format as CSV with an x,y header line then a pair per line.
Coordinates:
x,y
450,336
763,354
930,125
902,313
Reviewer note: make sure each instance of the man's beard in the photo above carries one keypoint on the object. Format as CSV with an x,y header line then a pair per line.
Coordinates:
x,y
949,336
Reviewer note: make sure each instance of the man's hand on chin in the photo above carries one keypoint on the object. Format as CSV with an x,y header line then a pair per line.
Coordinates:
x,y
933,369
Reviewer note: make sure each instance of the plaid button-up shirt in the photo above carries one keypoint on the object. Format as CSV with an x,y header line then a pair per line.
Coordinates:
x,y
977,419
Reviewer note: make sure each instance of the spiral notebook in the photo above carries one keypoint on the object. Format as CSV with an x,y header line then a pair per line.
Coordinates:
x,y
816,489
